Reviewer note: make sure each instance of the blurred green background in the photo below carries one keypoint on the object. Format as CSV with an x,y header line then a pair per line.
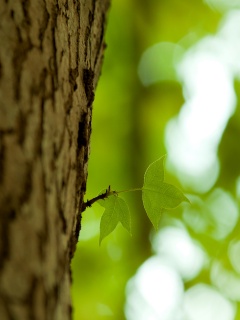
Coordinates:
x,y
170,84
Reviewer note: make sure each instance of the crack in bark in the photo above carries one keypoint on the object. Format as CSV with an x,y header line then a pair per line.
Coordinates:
x,y
19,57
88,77
44,25
8,214
2,158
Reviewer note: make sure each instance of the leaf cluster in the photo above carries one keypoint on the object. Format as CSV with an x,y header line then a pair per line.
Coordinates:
x,y
157,196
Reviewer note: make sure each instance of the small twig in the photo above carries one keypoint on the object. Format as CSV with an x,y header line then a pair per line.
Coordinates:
x,y
105,195
102,196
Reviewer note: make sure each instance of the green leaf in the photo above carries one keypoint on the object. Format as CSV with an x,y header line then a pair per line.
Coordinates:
x,y
158,195
116,210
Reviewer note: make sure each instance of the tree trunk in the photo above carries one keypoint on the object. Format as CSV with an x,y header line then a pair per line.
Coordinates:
x,y
50,58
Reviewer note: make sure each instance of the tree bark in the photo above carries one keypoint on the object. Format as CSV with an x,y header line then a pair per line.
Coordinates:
x,y
50,59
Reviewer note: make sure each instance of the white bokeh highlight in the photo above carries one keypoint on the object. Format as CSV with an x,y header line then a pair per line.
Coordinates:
x,y
207,72
155,292
182,252
204,302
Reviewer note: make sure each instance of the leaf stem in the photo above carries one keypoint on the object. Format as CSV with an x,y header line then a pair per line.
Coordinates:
x,y
129,190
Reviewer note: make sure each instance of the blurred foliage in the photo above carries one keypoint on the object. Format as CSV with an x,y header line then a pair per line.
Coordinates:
x,y
129,120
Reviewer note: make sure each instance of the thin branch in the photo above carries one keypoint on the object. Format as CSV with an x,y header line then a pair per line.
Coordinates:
x,y
102,196
105,195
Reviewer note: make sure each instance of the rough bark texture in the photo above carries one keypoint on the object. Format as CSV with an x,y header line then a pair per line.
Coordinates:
x,y
50,59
